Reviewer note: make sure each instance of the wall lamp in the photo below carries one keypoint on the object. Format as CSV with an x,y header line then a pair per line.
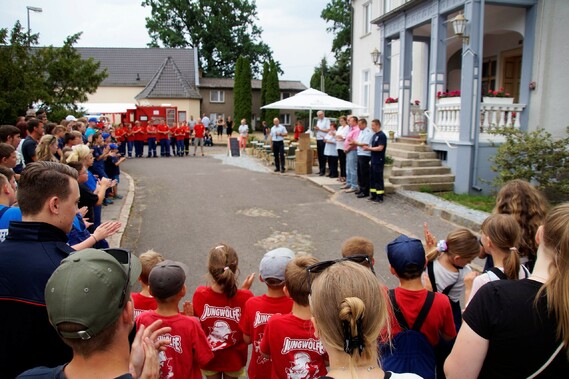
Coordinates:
x,y
376,57
459,25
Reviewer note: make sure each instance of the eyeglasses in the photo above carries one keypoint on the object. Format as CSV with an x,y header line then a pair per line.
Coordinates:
x,y
319,267
123,256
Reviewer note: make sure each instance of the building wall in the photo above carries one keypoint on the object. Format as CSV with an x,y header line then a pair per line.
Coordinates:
x,y
191,107
548,101
114,95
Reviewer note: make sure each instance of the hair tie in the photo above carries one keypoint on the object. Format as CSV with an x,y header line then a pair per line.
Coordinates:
x,y
442,246
350,342
225,268
219,247
513,248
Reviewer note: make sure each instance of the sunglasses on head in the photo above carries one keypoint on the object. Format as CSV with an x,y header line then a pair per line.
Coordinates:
x,y
123,257
319,267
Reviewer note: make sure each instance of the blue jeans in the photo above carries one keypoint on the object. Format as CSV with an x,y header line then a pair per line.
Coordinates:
x,y
180,147
352,169
165,147
151,146
130,145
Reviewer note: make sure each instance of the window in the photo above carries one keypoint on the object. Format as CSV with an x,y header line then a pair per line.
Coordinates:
x,y
367,18
284,119
170,116
182,116
365,90
285,95
216,96
488,74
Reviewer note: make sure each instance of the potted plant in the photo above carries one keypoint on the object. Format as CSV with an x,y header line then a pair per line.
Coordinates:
x,y
449,97
498,97
392,135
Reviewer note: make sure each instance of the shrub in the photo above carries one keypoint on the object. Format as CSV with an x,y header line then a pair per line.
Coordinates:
x,y
535,157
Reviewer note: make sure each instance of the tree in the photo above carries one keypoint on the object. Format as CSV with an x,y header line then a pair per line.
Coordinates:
x,y
264,79
54,78
273,92
221,30
242,102
337,80
533,156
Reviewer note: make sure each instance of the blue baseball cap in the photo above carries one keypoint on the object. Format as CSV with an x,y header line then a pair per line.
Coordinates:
x,y
113,146
105,136
406,254
93,119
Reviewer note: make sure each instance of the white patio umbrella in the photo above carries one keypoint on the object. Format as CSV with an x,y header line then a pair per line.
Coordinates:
x,y
312,99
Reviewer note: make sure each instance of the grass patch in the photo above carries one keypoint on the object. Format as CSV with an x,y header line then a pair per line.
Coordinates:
x,y
478,202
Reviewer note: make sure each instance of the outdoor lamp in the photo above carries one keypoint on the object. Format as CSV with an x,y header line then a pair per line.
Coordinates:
x,y
376,57
459,26
33,9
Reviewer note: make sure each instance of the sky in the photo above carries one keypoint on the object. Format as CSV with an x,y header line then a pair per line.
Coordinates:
x,y
292,28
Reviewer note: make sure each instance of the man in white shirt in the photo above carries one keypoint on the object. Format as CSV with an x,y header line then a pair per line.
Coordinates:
x,y
322,128
206,121
278,132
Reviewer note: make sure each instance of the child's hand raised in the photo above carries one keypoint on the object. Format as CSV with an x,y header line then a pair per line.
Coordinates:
x,y
248,282
430,240
188,308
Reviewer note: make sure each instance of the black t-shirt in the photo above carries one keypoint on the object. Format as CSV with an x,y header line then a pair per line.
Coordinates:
x,y
29,149
87,199
521,336
378,139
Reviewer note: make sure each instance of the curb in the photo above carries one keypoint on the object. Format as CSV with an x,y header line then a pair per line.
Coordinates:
x,y
124,213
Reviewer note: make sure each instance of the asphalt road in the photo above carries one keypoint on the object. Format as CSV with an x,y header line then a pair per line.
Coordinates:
x,y
185,206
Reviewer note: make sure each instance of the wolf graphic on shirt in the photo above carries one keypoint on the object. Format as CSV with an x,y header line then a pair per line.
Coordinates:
x,y
166,371
301,367
257,346
220,335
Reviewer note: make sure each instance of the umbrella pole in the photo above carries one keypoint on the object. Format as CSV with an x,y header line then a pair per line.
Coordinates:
x,y
310,121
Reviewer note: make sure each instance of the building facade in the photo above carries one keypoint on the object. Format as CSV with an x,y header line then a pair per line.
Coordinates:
x,y
518,45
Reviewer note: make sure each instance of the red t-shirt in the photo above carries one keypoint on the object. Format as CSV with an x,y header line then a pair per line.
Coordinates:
x,y
219,317
295,351
161,129
188,350
439,320
138,132
199,129
151,131
257,312
119,134
143,303
179,133
186,131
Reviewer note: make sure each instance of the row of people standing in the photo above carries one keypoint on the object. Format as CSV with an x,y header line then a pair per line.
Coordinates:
x,y
360,151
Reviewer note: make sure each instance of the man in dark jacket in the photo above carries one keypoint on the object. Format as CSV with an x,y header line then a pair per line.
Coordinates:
x,y
48,194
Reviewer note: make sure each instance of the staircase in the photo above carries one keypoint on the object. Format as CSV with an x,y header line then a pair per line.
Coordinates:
x,y
417,168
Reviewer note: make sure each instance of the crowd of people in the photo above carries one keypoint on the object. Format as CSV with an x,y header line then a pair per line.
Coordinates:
x,y
69,310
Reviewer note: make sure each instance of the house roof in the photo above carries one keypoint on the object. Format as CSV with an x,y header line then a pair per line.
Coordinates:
x,y
168,82
293,85
136,67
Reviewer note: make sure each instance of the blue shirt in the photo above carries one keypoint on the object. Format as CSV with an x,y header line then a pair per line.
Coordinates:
x,y
365,138
275,130
11,214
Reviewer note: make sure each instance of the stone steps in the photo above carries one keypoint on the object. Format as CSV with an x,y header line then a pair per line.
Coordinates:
x,y
416,167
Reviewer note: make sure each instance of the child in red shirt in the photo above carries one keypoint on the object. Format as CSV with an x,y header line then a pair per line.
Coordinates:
x,y
188,349
179,134
219,308
259,309
289,339
143,300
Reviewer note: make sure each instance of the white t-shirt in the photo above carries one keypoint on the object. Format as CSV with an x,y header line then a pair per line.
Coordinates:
x,y
205,122
445,278
323,124
330,148
244,130
343,133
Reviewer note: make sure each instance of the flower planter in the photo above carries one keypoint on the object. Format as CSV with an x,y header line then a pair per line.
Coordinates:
x,y
387,171
449,101
498,100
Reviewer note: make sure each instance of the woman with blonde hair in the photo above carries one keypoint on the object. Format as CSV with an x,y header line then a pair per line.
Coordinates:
x,y
350,309
46,148
520,328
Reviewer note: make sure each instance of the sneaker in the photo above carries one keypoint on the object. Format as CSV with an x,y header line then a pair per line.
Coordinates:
x,y
350,190
277,170
118,197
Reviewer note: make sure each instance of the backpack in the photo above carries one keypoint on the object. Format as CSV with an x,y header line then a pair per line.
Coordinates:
x,y
455,305
410,351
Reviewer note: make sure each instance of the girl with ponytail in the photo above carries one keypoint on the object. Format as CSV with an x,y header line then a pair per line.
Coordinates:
x,y
520,328
349,310
500,238
219,308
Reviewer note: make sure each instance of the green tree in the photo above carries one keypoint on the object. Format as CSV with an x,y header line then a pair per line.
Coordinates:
x,y
222,30
264,79
273,92
20,77
242,103
54,78
68,78
535,157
